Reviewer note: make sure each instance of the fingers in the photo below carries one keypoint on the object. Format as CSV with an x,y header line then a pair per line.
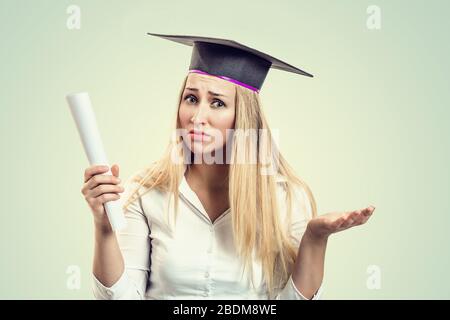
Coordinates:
x,y
115,170
354,218
349,220
101,179
105,189
368,211
93,170
99,188
98,202
367,214
338,223
360,217
94,176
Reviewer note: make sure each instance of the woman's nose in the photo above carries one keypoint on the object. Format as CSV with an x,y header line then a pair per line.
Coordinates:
x,y
200,116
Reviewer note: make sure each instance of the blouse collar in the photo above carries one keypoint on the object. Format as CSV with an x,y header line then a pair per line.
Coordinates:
x,y
194,202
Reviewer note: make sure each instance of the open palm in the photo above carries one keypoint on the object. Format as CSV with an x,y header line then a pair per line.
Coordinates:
x,y
327,224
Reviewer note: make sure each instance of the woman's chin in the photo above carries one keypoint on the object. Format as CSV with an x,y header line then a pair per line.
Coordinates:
x,y
203,149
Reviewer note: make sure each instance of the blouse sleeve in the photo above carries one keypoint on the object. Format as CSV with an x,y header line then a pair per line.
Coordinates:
x,y
301,214
135,246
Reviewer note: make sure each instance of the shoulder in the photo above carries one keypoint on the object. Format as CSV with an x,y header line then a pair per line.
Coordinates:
x,y
135,191
133,182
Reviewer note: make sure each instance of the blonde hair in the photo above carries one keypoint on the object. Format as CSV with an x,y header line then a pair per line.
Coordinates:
x,y
253,202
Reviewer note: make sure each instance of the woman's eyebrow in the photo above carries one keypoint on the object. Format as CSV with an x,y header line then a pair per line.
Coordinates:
x,y
210,92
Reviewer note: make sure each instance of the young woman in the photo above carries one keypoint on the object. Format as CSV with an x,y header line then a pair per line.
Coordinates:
x,y
212,219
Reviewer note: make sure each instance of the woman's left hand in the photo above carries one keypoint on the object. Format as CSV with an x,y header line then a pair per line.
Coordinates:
x,y
324,225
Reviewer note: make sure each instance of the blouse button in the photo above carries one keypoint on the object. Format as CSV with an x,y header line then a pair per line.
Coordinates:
x,y
206,274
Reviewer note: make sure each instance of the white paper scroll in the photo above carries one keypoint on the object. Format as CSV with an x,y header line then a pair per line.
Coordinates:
x,y
81,108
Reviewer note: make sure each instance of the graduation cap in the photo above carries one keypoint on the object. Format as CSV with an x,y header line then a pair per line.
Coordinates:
x,y
230,60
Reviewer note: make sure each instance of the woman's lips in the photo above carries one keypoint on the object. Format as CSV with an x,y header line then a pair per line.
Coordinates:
x,y
199,136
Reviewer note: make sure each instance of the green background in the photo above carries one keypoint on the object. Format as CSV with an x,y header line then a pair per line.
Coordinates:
x,y
370,128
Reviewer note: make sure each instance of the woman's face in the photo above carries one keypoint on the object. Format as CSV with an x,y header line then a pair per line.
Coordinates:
x,y
206,111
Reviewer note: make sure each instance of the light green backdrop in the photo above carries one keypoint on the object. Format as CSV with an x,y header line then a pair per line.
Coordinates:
x,y
370,128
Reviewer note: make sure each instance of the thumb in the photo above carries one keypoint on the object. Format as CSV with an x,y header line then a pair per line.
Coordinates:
x,y
115,170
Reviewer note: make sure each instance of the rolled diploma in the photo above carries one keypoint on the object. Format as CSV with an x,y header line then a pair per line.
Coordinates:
x,y
81,109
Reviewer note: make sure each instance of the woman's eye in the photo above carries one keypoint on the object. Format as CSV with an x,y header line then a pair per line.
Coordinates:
x,y
220,103
189,98
192,99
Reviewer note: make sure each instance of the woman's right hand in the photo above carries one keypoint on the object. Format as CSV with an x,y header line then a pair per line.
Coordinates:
x,y
99,188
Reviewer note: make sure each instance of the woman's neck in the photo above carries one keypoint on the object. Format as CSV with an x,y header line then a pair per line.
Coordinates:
x,y
213,177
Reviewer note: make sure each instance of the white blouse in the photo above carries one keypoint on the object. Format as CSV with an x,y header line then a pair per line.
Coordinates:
x,y
195,259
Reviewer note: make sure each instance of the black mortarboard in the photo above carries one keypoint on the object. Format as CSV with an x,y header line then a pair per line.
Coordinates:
x,y
230,60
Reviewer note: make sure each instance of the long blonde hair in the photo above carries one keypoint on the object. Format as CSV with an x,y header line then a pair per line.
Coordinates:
x,y
252,196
